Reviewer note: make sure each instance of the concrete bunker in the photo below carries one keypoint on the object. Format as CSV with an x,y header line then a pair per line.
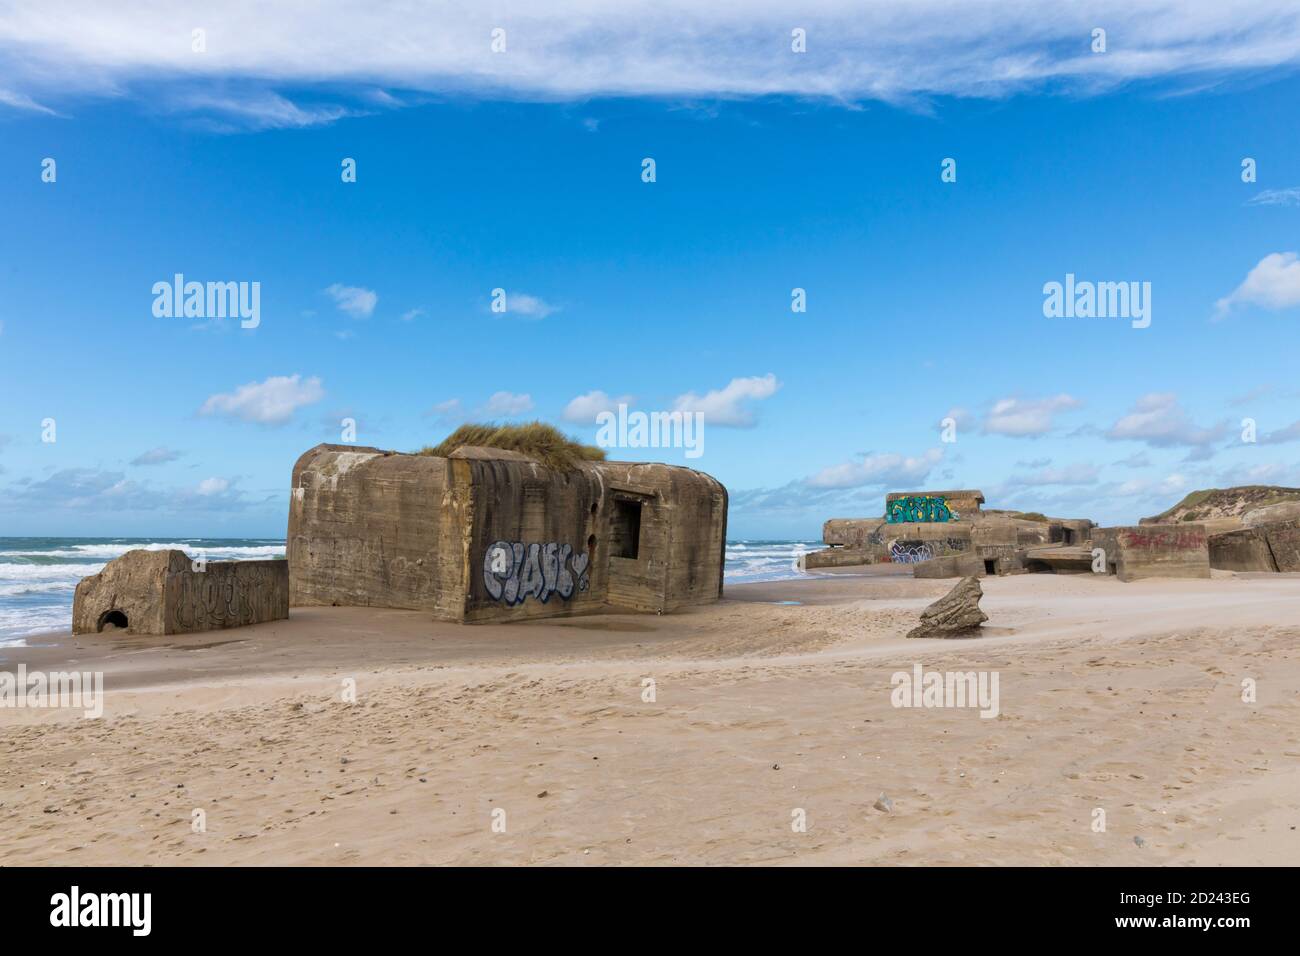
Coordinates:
x,y
486,534
166,592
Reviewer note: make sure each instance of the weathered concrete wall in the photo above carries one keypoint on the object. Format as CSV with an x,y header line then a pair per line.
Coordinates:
x,y
854,533
1155,550
1284,543
133,585
1242,550
548,524
1271,514
932,506
1058,559
164,592
375,529
685,536
840,558
951,566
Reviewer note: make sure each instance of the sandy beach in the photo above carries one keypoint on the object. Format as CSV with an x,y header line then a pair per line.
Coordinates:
x,y
1124,697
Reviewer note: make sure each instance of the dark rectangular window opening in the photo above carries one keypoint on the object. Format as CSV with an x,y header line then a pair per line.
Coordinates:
x,y
990,567
625,529
1067,536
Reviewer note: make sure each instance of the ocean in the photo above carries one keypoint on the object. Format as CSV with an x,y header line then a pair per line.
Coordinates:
x,y
39,575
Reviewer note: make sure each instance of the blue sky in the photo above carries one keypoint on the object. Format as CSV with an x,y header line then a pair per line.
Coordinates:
x,y
925,298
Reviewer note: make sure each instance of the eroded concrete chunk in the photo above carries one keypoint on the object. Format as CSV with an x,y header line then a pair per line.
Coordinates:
x,y
166,592
956,614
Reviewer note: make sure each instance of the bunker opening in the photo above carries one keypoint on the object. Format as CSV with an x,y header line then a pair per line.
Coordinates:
x,y
115,618
625,529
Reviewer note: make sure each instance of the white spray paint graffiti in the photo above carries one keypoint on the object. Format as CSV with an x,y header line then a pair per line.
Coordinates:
x,y
514,571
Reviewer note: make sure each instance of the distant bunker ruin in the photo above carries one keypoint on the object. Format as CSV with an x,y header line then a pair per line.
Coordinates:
x,y
487,534
949,534
167,592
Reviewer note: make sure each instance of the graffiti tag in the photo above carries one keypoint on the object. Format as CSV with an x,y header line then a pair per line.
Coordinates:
x,y
514,571
919,508
901,553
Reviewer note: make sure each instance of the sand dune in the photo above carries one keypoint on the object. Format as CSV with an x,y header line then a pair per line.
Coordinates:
x,y
1123,697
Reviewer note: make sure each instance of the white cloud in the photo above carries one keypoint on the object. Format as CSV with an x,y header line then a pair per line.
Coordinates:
x,y
1026,418
529,306
1138,459
272,402
1161,422
891,50
1141,488
961,417
156,456
499,405
1274,283
212,486
353,300
507,404
585,408
262,109
726,406
1276,197
20,101
887,469
1290,433
450,412
411,315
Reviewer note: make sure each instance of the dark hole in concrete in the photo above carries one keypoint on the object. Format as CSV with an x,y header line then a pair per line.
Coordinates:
x,y
625,528
594,507
990,567
114,619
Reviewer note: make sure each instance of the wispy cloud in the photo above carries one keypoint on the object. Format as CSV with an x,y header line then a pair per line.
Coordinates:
x,y
529,306
353,300
1077,474
507,404
890,50
1276,197
21,101
156,456
499,405
260,110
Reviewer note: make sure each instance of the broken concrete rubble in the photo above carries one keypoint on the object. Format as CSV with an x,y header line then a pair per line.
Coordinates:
x,y
956,614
